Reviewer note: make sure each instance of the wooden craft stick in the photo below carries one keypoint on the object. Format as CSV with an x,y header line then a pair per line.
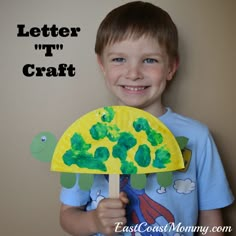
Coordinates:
x,y
114,185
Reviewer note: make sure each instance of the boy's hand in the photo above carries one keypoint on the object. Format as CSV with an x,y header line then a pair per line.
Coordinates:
x,y
109,212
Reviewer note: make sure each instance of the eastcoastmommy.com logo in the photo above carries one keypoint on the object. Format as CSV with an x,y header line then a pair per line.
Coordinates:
x,y
171,227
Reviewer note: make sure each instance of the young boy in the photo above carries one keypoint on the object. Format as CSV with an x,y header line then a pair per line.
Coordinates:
x,y
137,50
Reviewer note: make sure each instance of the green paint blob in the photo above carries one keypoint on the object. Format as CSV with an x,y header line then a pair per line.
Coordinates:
x,y
79,155
69,158
128,167
119,151
165,179
142,156
162,157
113,133
126,140
154,137
91,163
86,181
124,143
67,180
78,143
138,181
42,146
101,154
84,155
109,114
141,124
98,131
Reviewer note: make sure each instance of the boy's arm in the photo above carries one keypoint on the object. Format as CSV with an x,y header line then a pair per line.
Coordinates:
x,y
211,219
78,222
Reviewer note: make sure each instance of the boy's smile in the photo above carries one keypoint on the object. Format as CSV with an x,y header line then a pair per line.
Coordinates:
x,y
136,72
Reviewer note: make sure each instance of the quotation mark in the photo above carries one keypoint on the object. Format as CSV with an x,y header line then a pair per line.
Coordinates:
x,y
48,48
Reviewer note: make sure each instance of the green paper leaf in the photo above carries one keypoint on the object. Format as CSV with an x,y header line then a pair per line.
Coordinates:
x,y
68,180
182,141
138,181
86,181
165,179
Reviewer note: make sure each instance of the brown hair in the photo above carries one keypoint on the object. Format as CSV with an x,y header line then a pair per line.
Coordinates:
x,y
137,19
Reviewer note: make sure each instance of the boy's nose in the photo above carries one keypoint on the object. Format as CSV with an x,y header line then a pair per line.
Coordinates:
x,y
134,72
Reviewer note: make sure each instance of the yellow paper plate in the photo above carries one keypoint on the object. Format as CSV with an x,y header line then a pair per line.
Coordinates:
x,y
117,140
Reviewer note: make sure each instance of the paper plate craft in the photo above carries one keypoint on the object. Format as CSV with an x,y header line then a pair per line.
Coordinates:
x,y
118,140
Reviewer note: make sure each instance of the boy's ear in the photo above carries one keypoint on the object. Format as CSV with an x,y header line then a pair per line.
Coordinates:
x,y
100,63
172,69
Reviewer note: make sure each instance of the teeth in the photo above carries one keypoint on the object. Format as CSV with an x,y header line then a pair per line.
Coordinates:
x,y
134,88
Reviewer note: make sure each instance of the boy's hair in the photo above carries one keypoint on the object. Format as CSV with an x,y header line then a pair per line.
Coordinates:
x,y
137,19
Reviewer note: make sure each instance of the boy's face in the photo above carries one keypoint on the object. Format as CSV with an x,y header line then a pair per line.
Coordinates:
x,y
136,72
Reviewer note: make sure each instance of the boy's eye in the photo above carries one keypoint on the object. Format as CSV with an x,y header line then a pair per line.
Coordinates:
x,y
118,59
150,60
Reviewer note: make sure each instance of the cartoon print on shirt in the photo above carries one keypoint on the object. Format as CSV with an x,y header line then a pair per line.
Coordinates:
x,y
161,190
95,202
146,209
184,186
150,211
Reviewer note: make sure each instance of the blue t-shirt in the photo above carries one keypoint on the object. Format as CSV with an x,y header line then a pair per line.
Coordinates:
x,y
173,210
